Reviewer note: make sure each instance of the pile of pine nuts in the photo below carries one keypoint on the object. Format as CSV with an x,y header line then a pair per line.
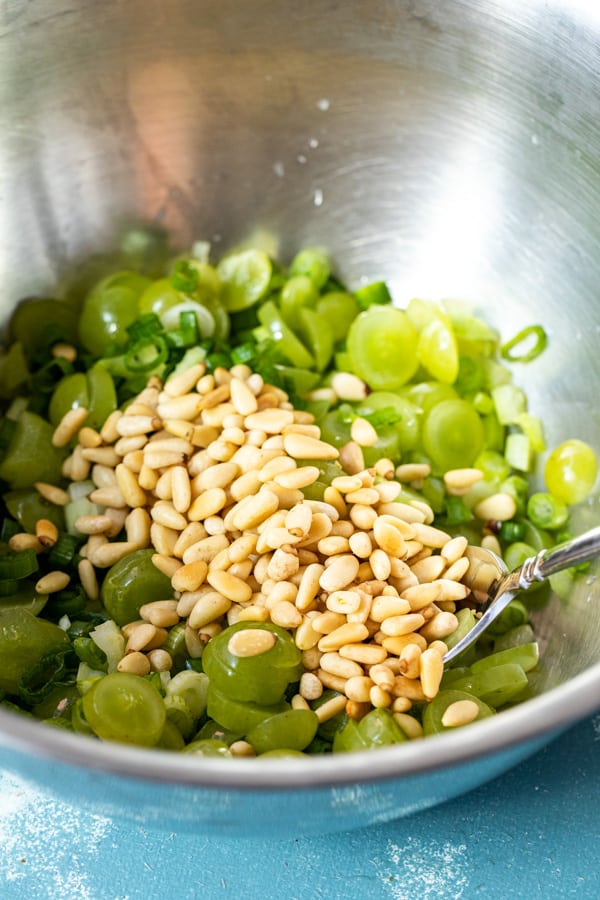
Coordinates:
x,y
209,471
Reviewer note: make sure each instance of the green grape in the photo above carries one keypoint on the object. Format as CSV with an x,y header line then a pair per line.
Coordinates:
x,y
130,583
126,708
382,346
246,277
109,308
452,434
434,711
261,678
208,747
405,413
571,470
426,394
340,310
293,729
297,293
314,263
437,351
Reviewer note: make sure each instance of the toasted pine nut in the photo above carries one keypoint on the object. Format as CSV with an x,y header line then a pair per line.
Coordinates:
x,y
208,608
230,586
348,386
460,481
87,576
52,582
160,660
358,688
302,446
350,633
310,686
411,727
251,642
461,712
499,507
129,486
168,565
69,425
183,382
363,432
110,553
52,493
24,541
439,627
330,708
134,663
46,532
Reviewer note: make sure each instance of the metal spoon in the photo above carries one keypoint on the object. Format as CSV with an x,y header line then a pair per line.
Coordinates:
x,y
494,586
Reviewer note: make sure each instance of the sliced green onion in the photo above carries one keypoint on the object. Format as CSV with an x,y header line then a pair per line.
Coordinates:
x,y
512,531
546,511
64,550
457,511
526,346
18,565
376,293
147,354
146,326
184,277
243,353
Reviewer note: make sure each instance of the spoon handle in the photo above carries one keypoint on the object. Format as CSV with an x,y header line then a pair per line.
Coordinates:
x,y
547,562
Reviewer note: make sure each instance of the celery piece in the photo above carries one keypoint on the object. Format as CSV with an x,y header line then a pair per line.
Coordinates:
x,y
517,450
510,402
31,455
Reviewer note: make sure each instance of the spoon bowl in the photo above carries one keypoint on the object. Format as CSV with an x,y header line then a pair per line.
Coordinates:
x,y
493,586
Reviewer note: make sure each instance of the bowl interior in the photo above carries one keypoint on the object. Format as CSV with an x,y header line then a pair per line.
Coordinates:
x,y
451,149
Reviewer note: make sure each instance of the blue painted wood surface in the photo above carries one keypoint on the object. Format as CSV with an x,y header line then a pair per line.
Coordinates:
x,y
534,832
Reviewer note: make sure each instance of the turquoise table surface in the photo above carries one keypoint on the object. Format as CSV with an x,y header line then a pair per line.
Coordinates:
x,y
532,833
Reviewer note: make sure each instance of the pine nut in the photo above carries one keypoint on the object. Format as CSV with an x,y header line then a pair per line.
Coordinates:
x,y
189,577
301,446
411,727
106,456
129,486
342,572
137,528
499,507
52,493
108,496
52,582
160,660
388,537
46,532
183,382
251,642
439,627
231,587
256,510
428,569
69,425
272,421
242,397
209,503
460,481
350,633
385,607
168,565
454,549
285,614
330,708
296,479
410,661
358,688
338,665
461,712
348,386
366,654
310,687
351,458
431,671
457,570
87,576
363,432
108,554
399,625
163,513
395,645
134,663
408,472
207,609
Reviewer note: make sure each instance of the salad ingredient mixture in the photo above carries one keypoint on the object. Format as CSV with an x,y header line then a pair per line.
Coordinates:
x,y
237,502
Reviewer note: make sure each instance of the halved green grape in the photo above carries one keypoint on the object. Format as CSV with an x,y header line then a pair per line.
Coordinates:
x,y
404,417
437,351
318,336
525,655
434,711
314,263
126,708
494,686
571,471
452,434
25,640
297,292
238,715
109,308
245,277
426,394
382,347
130,583
31,456
293,729
262,677
340,310
377,729
207,747
286,341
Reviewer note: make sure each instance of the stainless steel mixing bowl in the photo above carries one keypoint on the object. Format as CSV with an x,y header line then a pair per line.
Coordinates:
x,y
449,146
